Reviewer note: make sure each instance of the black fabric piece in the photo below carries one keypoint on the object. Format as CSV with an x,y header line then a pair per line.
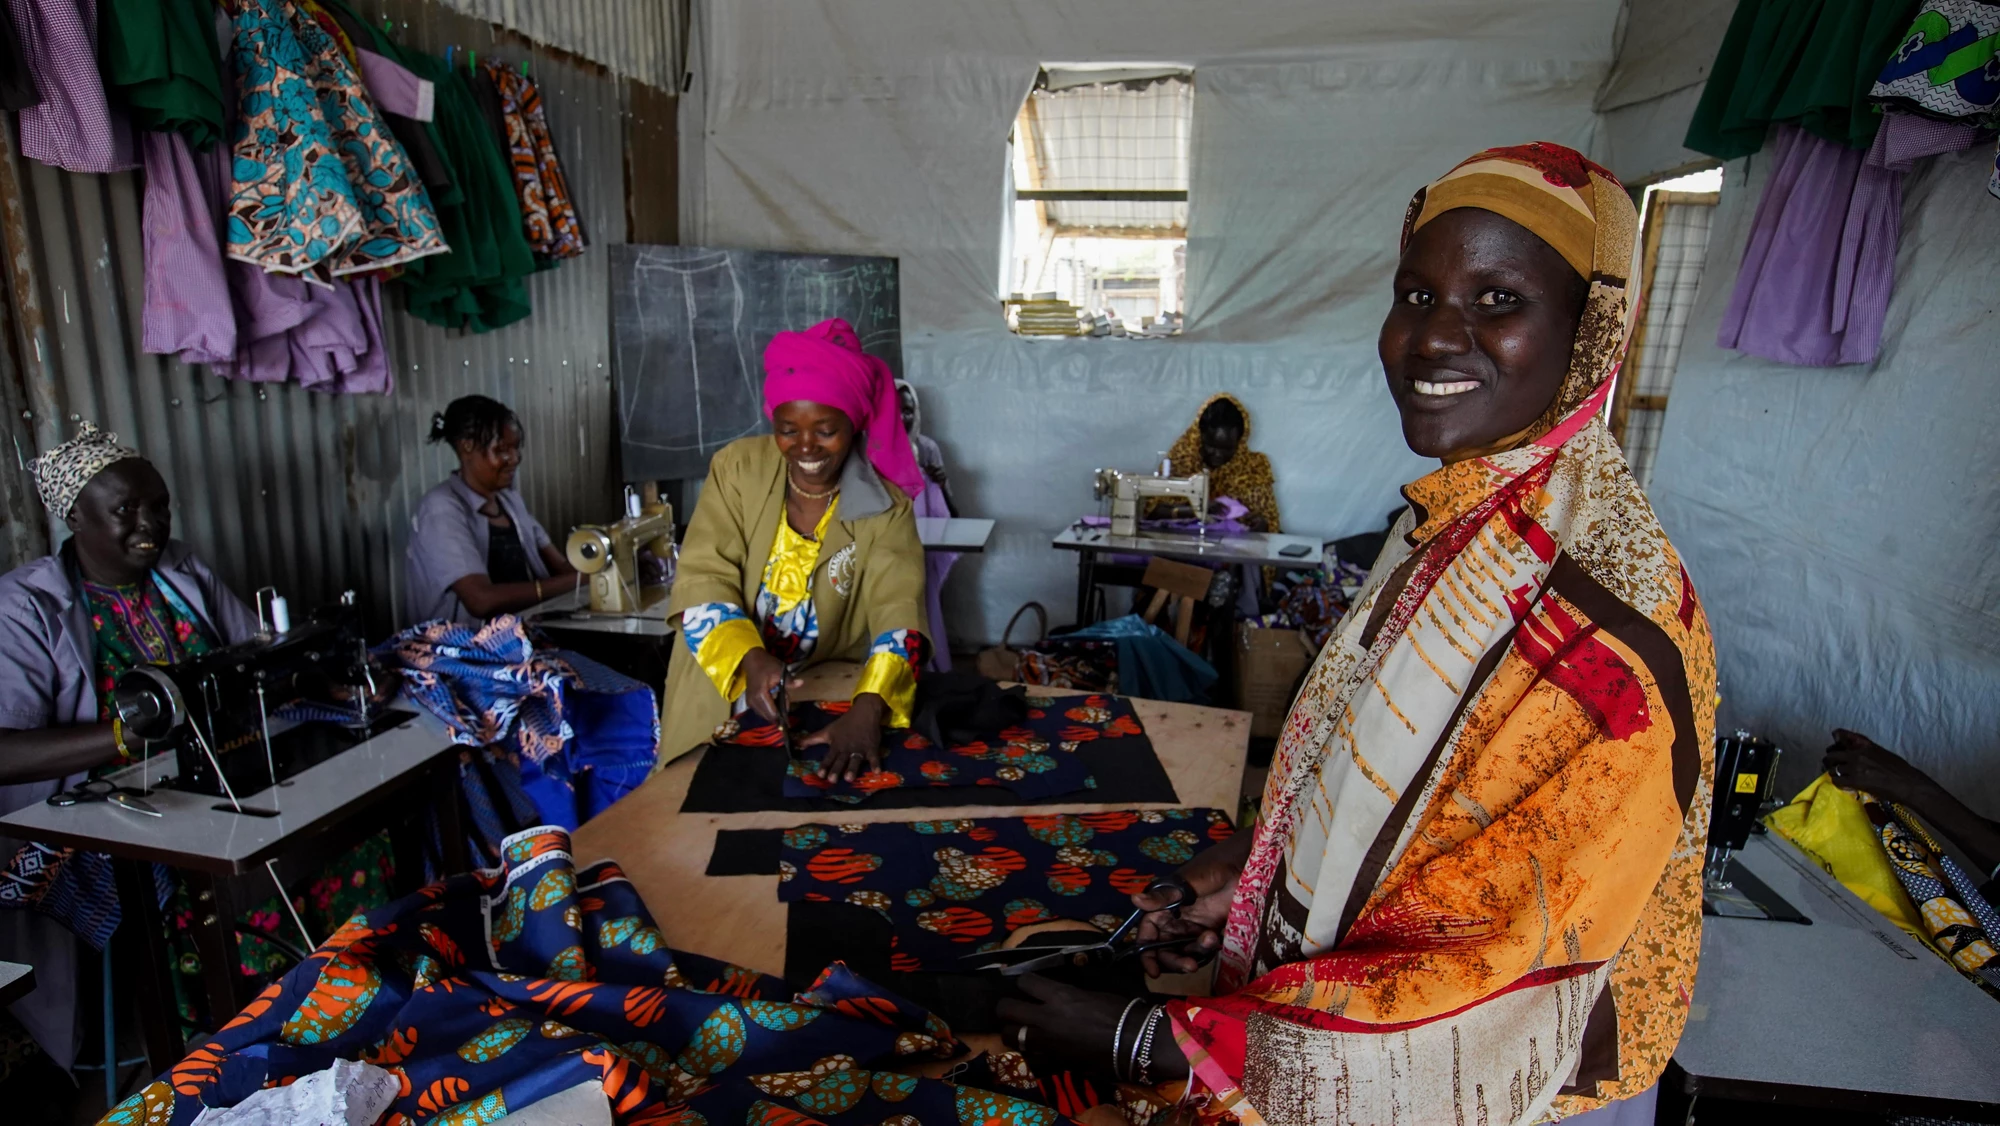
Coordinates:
x,y
746,852
17,86
487,95
1363,549
960,707
506,559
751,779
818,934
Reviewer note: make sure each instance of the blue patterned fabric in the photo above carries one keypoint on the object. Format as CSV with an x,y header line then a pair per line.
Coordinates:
x,y
486,992
566,717
958,886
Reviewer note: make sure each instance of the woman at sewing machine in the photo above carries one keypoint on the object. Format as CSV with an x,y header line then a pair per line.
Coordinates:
x,y
800,552
1218,443
119,592
1469,874
475,550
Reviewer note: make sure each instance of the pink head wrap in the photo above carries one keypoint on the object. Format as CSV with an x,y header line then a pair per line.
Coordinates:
x,y
825,365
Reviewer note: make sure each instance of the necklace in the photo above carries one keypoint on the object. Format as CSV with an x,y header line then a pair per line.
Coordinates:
x,y
835,491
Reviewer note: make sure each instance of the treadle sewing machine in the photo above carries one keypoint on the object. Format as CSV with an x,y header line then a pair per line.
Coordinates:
x,y
1128,490
241,719
609,553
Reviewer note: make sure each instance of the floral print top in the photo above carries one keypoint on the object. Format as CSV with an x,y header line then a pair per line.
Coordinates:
x,y
318,182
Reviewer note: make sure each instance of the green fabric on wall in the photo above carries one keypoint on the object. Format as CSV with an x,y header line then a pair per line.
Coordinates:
x,y
1806,61
159,57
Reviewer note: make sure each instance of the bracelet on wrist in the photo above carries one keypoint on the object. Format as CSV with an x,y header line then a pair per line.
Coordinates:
x,y
1143,1052
1118,1036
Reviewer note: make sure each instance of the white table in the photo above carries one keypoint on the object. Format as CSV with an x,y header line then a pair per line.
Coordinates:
x,y
938,533
571,611
1849,1013
17,980
1254,548
221,854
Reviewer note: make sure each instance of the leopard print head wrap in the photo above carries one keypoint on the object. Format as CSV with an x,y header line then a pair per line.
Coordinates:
x,y
62,473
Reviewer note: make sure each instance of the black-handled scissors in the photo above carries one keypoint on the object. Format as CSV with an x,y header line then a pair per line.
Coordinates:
x,y
1029,959
99,789
785,719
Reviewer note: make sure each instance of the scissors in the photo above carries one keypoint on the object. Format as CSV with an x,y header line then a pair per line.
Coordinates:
x,y
785,720
1109,949
99,789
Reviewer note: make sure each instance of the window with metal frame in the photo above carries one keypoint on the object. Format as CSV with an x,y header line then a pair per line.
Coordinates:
x,y
1098,201
1673,234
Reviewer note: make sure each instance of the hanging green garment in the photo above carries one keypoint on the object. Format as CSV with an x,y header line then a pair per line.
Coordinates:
x,y
160,58
481,284
1807,61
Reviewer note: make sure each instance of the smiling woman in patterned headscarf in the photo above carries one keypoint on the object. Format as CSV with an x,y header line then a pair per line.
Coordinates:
x,y
1476,890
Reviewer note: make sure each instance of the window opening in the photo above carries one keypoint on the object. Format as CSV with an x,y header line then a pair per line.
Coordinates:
x,y
1096,238
1676,216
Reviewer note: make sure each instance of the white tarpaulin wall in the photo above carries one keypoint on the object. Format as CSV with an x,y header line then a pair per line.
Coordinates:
x,y
881,128
1842,523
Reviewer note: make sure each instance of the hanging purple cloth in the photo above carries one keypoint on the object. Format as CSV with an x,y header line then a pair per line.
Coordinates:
x,y
1821,261
74,127
187,310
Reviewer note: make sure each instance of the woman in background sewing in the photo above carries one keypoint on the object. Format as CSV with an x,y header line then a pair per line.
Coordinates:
x,y
1218,443
800,552
119,592
475,550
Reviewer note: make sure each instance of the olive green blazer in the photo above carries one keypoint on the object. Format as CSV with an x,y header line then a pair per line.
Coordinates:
x,y
870,577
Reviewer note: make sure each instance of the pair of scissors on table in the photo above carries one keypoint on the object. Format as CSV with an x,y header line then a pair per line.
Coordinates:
x,y
100,789
1029,959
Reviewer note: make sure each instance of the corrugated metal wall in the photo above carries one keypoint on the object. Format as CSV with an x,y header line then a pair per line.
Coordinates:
x,y
310,492
635,38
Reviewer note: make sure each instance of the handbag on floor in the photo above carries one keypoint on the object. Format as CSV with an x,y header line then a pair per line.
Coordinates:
x,y
1002,661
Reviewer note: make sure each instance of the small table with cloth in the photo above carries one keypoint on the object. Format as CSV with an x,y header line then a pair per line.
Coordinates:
x,y
1264,549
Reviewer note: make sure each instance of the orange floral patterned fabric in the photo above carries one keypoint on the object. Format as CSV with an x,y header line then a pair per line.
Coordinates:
x,y
1476,894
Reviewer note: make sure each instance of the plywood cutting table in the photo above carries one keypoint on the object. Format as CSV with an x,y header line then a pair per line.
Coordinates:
x,y
739,918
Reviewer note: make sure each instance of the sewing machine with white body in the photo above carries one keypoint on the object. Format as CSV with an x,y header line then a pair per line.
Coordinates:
x,y
1128,490
609,553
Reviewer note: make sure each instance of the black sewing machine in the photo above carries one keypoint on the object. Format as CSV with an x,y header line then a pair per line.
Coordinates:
x,y
244,718
1746,778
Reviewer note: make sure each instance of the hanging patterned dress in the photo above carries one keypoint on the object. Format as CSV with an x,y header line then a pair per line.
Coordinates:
x,y
320,184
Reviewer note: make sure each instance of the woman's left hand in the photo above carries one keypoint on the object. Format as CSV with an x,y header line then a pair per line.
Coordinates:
x,y
853,742
1063,1024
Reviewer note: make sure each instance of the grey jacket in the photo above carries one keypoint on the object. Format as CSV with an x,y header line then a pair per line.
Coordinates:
x,y
448,539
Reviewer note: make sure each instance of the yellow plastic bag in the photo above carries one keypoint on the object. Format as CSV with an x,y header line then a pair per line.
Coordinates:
x,y
1828,824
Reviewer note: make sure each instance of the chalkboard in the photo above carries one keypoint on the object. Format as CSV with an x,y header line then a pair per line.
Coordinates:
x,y
689,326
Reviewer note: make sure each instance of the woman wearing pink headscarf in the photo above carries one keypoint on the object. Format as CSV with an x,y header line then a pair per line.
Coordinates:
x,y
801,552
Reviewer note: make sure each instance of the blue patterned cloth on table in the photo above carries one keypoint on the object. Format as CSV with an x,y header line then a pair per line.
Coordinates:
x,y
1036,759
489,991
955,887
562,714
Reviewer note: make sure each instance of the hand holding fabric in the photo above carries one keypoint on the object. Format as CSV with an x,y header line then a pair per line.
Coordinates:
x,y
853,741
1857,762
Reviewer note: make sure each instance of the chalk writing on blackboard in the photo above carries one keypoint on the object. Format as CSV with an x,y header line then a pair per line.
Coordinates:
x,y
689,326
